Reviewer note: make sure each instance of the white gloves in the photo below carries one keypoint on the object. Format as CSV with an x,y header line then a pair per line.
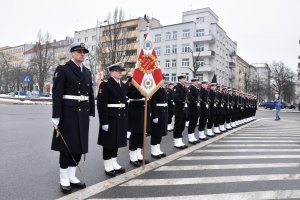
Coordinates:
x,y
155,120
206,106
198,104
185,105
105,127
55,122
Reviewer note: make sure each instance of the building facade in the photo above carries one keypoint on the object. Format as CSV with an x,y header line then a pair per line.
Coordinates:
x,y
263,72
197,46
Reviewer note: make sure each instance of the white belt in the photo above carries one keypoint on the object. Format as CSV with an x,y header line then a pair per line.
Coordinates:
x,y
143,99
74,97
120,105
162,104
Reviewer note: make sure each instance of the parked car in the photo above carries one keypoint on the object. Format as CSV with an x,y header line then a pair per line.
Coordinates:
x,y
269,104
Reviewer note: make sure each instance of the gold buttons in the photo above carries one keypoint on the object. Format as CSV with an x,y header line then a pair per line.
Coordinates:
x,y
79,83
79,109
78,92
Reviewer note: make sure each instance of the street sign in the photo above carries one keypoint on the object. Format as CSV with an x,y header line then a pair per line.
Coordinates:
x,y
26,78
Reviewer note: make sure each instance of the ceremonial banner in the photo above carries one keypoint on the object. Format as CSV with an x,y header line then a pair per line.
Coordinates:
x,y
147,76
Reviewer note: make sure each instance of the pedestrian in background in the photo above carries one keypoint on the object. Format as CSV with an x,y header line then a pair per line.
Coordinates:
x,y
277,107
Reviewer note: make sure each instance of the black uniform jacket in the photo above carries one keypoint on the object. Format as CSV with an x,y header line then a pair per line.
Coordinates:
x,y
204,95
74,114
112,94
136,111
193,101
160,112
179,98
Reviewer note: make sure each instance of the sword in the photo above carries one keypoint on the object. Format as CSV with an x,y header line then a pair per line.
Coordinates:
x,y
58,133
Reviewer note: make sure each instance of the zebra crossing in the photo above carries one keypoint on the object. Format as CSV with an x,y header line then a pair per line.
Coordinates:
x,y
258,162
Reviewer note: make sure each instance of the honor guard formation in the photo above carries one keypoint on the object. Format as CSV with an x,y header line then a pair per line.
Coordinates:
x,y
210,109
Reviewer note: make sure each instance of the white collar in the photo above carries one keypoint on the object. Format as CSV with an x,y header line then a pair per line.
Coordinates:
x,y
118,81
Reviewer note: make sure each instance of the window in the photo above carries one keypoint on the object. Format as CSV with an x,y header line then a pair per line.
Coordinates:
x,y
185,48
199,32
94,37
168,35
174,49
200,62
79,40
187,76
185,62
167,64
186,33
86,39
157,38
168,49
199,76
157,51
166,77
174,35
174,63
199,47
200,20
173,78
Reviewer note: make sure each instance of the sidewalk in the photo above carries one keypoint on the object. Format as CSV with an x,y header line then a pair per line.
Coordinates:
x,y
23,100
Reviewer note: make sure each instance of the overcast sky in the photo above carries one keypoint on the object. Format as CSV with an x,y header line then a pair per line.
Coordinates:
x,y
265,30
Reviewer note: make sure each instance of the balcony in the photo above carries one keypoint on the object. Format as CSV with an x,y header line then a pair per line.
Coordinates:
x,y
205,68
232,54
208,53
205,38
231,64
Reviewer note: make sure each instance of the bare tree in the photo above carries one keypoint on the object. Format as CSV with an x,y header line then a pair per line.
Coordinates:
x,y
117,42
42,59
196,62
281,76
4,72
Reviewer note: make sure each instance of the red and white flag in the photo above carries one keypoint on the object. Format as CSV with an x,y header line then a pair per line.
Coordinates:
x,y
147,76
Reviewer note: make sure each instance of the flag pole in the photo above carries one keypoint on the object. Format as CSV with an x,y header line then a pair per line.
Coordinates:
x,y
146,18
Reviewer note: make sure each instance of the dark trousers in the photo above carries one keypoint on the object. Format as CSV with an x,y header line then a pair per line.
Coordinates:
x,y
202,122
211,121
228,117
155,140
217,121
65,160
179,125
192,123
170,116
135,141
109,153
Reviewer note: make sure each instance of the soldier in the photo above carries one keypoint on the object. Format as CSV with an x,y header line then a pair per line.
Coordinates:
x,y
159,121
222,111
193,109
179,98
205,111
112,109
170,105
73,105
136,124
213,109
228,108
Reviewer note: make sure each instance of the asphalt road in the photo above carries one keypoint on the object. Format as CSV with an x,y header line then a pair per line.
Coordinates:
x,y
30,170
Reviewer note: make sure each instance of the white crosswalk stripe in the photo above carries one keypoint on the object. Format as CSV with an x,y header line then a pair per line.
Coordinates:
x,y
260,162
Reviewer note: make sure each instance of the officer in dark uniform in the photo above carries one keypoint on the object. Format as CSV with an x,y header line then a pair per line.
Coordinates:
x,y
73,104
213,109
228,108
179,98
170,105
112,109
193,109
159,121
205,111
136,124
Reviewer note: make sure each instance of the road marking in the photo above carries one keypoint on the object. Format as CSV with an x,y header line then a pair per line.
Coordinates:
x,y
227,166
260,195
237,157
206,180
266,137
253,145
279,141
246,150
